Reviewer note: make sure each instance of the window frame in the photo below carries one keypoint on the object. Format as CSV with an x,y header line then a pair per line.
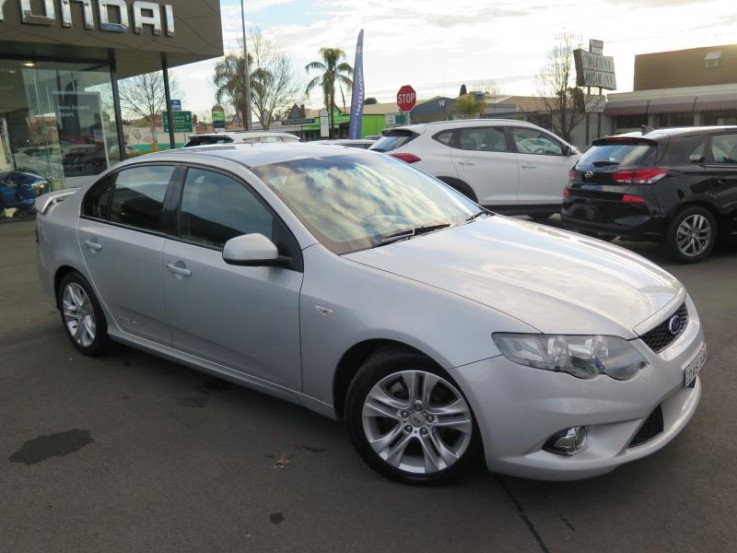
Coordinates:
x,y
554,139
173,211
113,177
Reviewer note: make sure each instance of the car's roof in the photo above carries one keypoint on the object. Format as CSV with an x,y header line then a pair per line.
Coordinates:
x,y
656,134
241,133
461,123
250,155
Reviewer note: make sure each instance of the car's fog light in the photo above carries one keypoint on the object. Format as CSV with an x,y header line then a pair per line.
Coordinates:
x,y
567,442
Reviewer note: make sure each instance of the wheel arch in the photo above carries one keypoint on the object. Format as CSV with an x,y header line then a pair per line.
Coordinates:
x,y
711,207
461,186
354,358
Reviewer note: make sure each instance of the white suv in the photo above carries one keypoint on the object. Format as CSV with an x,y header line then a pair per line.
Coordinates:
x,y
239,137
510,166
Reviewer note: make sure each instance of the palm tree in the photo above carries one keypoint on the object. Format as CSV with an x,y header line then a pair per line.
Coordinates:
x,y
334,71
230,83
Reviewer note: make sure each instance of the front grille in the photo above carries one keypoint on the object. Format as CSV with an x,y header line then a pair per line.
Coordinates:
x,y
652,426
661,337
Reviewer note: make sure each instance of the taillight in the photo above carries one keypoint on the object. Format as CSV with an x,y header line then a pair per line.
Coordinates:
x,y
408,158
571,174
633,199
566,192
639,176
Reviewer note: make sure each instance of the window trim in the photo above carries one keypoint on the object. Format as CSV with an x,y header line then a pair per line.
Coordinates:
x,y
113,174
173,211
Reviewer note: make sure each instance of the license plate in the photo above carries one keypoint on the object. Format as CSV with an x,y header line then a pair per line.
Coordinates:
x,y
689,375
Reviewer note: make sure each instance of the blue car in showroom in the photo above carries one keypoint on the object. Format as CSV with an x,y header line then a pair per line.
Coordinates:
x,y
19,190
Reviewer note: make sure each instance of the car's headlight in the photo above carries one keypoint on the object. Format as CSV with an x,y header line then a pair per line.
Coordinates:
x,y
580,356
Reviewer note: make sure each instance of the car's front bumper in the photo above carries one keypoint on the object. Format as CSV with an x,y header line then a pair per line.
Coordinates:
x,y
519,408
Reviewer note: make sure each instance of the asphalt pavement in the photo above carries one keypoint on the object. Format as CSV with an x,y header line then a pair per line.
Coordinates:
x,y
131,453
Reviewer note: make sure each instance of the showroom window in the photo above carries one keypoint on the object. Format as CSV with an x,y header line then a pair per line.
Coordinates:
x,y
57,120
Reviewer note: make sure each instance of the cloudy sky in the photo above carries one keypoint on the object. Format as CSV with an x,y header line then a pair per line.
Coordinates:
x,y
435,45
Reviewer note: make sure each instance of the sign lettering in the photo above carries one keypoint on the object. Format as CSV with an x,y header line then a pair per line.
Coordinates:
x,y
114,15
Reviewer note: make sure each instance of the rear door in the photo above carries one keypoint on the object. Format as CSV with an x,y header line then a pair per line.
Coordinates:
x,y
483,160
721,166
120,235
543,166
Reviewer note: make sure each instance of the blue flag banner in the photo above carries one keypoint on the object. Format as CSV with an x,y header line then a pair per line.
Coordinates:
x,y
354,130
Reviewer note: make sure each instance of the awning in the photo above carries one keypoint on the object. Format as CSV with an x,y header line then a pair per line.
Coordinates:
x,y
717,102
626,106
672,105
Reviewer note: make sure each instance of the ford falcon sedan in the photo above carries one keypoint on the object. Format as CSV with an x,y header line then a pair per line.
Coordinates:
x,y
355,285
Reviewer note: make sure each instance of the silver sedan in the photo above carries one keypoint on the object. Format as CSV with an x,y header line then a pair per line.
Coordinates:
x,y
367,291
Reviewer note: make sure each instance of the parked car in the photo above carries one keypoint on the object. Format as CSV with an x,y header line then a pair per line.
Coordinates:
x,y
19,190
509,166
236,137
673,186
367,291
361,143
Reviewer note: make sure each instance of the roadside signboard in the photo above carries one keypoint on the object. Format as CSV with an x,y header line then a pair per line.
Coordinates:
x,y
176,105
182,121
218,118
406,98
324,124
594,70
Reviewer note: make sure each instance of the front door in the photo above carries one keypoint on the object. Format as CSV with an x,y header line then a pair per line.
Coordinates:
x,y
244,318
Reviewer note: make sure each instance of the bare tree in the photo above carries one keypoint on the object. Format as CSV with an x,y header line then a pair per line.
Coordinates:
x,y
143,97
273,85
561,101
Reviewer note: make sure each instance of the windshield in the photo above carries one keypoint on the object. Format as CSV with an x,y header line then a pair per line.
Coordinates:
x,y
352,202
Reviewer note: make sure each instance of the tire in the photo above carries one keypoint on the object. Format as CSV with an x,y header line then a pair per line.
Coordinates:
x,y
82,316
691,235
425,437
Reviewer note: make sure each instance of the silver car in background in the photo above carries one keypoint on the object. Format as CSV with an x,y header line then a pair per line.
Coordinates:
x,y
369,292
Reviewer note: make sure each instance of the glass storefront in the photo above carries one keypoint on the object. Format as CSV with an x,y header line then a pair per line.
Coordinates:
x,y
57,123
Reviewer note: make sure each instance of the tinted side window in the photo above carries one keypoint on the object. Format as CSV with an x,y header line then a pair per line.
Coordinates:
x,y
444,137
138,196
97,200
485,139
724,148
531,141
216,208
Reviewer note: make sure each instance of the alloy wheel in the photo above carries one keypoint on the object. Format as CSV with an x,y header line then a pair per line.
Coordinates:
x,y
79,314
417,422
694,235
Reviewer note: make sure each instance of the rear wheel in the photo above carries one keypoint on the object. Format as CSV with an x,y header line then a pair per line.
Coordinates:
x,y
82,315
408,420
691,235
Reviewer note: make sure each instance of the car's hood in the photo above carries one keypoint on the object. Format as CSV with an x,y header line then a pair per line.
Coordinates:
x,y
553,280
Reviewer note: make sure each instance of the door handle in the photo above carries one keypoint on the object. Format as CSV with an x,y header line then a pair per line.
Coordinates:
x,y
178,270
466,163
528,166
93,244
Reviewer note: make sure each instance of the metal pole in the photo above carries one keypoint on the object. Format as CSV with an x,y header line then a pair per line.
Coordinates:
x,y
248,122
167,93
116,104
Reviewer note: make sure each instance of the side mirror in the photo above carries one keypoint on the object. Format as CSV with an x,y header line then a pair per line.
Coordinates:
x,y
253,250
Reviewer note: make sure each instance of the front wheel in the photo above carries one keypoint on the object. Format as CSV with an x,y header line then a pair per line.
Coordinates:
x,y
691,235
82,315
408,420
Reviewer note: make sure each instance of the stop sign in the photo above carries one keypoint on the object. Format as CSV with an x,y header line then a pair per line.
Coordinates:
x,y
406,98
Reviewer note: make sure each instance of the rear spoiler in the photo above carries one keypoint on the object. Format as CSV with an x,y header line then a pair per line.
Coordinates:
x,y
47,201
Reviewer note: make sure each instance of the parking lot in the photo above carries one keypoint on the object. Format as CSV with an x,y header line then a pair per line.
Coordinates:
x,y
132,453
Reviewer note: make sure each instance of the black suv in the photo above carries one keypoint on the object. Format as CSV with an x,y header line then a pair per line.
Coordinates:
x,y
674,186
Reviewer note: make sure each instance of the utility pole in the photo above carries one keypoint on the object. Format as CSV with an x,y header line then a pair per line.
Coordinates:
x,y
248,122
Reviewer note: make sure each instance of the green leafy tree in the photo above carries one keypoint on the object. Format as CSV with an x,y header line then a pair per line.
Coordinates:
x,y
468,106
230,83
334,71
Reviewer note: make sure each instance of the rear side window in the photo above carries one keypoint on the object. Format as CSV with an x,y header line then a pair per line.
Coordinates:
x,y
138,196
620,153
484,139
724,148
393,140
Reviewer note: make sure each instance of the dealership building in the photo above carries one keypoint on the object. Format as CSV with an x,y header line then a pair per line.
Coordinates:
x,y
60,61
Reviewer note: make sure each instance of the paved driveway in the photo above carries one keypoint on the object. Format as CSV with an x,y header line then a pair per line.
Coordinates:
x,y
131,453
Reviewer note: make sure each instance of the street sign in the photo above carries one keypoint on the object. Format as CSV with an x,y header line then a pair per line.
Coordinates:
x,y
218,118
182,121
406,98
324,124
176,105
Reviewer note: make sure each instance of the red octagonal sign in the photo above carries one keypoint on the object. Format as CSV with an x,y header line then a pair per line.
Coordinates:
x,y
406,98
